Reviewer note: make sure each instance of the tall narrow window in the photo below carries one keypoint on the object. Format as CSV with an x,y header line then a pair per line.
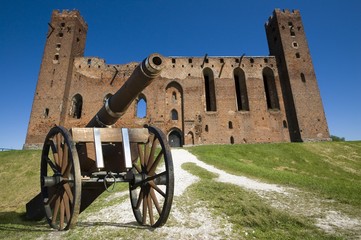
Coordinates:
x,y
76,106
46,113
230,125
303,78
241,90
174,114
210,90
270,89
141,107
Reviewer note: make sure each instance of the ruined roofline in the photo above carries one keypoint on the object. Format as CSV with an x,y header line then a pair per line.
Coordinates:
x,y
228,56
70,14
284,11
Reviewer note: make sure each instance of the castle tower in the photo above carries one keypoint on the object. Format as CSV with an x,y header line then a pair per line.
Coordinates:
x,y
287,42
65,40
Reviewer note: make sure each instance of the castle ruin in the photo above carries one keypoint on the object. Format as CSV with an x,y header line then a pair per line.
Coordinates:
x,y
195,100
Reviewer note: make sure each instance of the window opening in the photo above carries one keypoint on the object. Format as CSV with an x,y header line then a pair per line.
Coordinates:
x,y
303,78
210,90
232,140
141,108
174,114
46,112
173,60
230,125
76,106
206,128
89,61
270,89
241,90
298,55
174,96
190,60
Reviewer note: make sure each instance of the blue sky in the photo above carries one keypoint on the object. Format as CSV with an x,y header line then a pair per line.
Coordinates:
x,y
123,31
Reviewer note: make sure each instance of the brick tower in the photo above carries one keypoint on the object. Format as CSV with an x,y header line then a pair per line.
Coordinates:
x,y
65,40
287,42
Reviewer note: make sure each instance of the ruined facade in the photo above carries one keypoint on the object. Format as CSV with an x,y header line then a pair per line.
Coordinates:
x,y
195,100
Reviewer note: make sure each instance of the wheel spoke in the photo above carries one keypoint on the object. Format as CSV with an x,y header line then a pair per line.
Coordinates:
x,y
67,206
150,209
140,199
153,185
65,164
62,213
156,162
155,200
69,192
146,155
56,210
145,205
141,155
152,140
51,164
59,149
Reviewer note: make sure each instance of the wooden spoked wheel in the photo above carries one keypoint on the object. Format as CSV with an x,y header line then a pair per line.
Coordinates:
x,y
151,191
60,179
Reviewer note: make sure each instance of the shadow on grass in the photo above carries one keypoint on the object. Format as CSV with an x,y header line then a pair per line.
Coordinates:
x,y
14,221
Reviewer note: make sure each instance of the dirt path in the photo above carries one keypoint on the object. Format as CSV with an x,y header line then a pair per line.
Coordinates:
x,y
288,199
196,222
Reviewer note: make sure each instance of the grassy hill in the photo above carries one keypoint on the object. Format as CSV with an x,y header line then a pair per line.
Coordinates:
x,y
332,169
329,169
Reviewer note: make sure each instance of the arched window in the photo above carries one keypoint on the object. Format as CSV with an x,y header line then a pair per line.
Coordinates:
x,y
270,89
76,106
174,114
241,90
210,90
230,125
231,139
141,107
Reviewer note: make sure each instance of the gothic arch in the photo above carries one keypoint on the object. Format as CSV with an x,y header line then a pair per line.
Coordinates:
x,y
241,90
270,89
175,137
141,106
210,90
76,107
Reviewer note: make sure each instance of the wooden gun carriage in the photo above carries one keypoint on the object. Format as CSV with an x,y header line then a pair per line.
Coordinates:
x,y
80,164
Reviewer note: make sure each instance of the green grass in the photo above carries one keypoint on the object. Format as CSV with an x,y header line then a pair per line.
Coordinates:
x,y
247,212
332,169
329,169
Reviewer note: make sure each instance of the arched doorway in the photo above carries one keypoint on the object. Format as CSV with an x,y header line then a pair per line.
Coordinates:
x,y
175,138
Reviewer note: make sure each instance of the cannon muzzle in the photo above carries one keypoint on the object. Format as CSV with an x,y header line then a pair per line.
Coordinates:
x,y
116,105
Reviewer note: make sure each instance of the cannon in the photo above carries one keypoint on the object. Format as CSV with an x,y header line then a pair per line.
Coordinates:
x,y
79,164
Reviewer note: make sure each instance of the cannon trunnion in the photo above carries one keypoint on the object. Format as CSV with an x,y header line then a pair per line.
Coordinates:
x,y
80,164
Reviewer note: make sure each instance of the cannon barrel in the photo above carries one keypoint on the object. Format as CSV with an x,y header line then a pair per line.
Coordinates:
x,y
116,105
